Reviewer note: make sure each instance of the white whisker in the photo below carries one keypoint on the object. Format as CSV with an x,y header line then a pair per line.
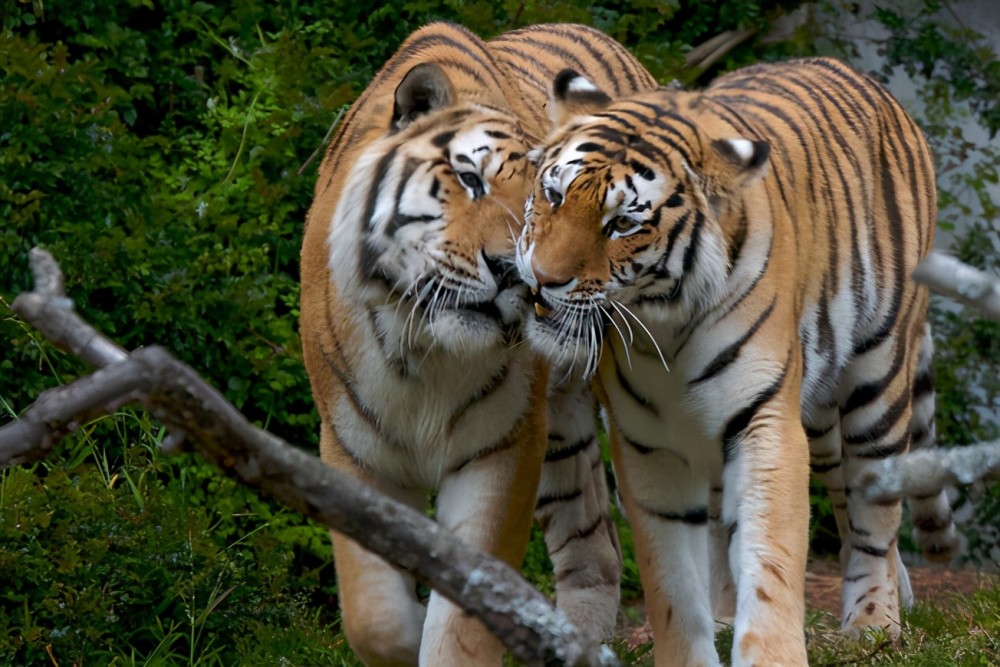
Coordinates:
x,y
631,336
625,344
643,326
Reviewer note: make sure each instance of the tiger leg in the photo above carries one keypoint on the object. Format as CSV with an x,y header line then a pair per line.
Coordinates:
x,y
487,503
933,524
766,499
381,615
723,585
666,499
573,512
875,423
826,463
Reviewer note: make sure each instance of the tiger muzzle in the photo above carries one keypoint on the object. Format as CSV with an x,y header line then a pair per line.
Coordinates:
x,y
542,308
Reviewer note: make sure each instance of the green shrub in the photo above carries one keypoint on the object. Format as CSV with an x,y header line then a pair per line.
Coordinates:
x,y
117,558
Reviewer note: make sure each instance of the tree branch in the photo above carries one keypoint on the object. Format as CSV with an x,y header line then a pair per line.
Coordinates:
x,y
927,471
960,281
528,625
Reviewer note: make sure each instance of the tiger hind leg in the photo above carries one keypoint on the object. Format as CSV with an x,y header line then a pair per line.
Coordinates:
x,y
572,510
719,535
875,417
933,524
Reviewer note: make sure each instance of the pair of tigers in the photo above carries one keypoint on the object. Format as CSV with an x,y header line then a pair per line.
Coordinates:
x,y
755,238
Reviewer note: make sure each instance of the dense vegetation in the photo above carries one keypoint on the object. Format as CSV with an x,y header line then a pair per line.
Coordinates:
x,y
165,152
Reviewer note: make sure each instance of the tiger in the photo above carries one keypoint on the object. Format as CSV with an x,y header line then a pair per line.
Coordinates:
x,y
731,268
573,501
410,320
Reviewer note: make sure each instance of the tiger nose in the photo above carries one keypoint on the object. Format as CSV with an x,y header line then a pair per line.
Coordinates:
x,y
548,280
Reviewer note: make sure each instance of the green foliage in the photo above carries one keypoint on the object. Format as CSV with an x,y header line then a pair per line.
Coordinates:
x,y
162,152
166,152
106,559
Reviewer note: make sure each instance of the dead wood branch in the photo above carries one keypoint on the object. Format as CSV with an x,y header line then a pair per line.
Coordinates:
x,y
528,625
709,52
927,471
962,282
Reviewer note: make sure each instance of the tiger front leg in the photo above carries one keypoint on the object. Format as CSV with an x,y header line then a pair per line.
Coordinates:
x,y
666,499
766,478
573,513
381,615
487,503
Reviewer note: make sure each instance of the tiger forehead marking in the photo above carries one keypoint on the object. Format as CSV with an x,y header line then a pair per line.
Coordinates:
x,y
629,192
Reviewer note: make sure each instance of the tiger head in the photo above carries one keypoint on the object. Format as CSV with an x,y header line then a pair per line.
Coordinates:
x,y
636,207
423,234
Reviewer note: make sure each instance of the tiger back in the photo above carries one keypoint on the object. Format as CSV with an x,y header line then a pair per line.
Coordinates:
x,y
733,265
410,320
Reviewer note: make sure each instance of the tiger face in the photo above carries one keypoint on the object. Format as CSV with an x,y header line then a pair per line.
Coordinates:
x,y
425,229
620,224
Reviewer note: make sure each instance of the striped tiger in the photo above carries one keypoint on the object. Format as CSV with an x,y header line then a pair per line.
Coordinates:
x,y
410,324
573,501
732,266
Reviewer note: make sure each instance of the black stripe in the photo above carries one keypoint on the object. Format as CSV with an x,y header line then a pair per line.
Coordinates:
x,y
631,391
557,498
923,384
813,433
739,422
693,517
566,452
367,415
731,352
880,428
579,535
820,468
642,449
505,443
870,550
491,385
886,450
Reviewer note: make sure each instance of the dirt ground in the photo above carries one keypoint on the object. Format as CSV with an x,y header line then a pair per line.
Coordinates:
x,y
929,583
823,589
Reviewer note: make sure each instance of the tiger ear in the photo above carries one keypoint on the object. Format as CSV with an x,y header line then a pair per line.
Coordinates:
x,y
729,166
425,88
574,95
743,161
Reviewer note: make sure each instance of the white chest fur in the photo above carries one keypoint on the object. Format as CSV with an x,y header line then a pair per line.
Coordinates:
x,y
425,422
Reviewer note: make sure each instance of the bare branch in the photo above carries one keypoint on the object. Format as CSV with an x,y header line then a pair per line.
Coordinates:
x,y
969,285
927,471
712,50
51,312
523,619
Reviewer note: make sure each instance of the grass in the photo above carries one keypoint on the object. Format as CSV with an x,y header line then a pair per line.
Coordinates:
x,y
112,553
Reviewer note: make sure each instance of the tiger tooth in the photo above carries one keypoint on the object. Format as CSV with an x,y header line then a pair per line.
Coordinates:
x,y
541,310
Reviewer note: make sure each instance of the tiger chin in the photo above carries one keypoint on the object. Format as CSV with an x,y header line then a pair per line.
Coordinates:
x,y
731,267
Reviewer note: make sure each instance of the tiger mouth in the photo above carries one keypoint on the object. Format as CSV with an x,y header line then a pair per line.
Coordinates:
x,y
487,308
542,307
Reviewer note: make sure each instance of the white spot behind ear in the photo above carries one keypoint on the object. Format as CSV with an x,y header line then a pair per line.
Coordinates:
x,y
742,147
581,84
